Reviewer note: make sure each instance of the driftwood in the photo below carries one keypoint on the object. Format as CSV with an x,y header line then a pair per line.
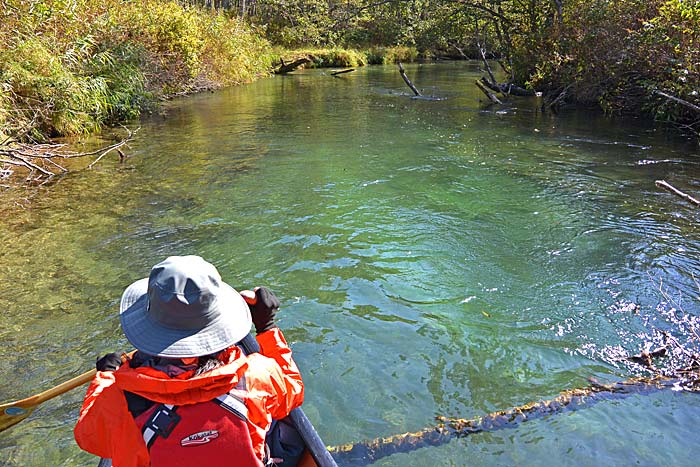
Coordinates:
x,y
368,452
408,81
40,160
507,88
492,84
492,97
340,72
690,105
287,67
676,191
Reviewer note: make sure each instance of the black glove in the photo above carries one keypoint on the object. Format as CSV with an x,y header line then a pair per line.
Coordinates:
x,y
263,312
110,362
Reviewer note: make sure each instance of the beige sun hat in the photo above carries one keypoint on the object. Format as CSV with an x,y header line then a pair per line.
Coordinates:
x,y
183,309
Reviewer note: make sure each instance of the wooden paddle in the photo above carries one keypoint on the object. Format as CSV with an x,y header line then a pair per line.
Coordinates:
x,y
14,412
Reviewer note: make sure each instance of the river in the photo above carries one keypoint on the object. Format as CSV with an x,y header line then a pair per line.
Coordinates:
x,y
433,257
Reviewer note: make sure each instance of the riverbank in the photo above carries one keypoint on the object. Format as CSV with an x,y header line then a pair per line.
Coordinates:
x,y
73,67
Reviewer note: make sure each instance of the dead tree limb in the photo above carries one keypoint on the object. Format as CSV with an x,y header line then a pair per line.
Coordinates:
x,y
560,97
114,147
507,88
690,105
460,50
340,72
408,81
676,191
504,88
368,452
28,163
486,64
492,97
42,158
287,67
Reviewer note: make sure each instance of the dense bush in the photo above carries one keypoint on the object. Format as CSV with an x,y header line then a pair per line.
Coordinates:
x,y
69,67
324,57
672,40
619,54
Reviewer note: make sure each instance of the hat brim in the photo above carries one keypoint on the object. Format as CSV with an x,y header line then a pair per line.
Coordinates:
x,y
232,325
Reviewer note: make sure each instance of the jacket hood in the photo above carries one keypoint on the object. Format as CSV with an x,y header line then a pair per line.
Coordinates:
x,y
159,387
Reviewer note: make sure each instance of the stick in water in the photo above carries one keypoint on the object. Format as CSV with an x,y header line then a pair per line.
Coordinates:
x,y
676,191
368,452
408,81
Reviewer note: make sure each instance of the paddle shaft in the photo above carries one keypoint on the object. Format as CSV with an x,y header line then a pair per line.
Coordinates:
x,y
12,413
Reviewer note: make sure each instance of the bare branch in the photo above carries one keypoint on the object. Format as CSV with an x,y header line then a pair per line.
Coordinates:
x,y
690,105
676,191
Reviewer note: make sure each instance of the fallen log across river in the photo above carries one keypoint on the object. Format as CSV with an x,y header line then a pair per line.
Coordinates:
x,y
447,429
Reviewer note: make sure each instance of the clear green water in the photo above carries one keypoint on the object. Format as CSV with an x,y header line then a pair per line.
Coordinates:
x,y
433,257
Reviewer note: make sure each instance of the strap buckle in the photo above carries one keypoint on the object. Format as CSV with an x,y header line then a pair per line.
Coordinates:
x,y
164,420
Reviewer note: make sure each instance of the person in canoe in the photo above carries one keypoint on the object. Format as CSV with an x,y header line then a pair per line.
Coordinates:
x,y
189,395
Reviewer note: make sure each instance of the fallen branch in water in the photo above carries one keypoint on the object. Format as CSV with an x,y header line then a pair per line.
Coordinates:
x,y
676,191
408,81
367,452
340,72
287,67
492,97
507,88
42,158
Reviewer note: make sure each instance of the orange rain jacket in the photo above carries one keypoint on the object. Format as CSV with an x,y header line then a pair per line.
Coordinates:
x,y
107,429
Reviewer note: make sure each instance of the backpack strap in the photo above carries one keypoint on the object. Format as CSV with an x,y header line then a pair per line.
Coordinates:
x,y
233,402
161,423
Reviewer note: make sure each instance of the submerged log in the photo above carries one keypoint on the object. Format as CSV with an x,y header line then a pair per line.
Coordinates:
x,y
676,191
408,81
507,88
340,72
492,97
287,67
368,452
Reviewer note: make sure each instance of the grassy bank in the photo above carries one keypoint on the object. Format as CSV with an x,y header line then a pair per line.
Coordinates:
x,y
70,67
347,57
73,66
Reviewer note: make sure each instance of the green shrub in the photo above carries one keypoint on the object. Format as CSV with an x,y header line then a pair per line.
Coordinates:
x,y
233,52
46,91
671,45
70,66
400,54
336,57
